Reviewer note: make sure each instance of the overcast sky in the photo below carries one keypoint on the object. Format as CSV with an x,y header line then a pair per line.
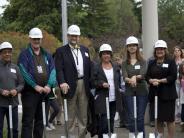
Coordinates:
x,y
2,3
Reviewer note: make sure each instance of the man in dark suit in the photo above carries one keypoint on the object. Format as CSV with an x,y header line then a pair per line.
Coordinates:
x,y
73,74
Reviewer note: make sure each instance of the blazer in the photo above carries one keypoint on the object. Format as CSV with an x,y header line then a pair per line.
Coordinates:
x,y
168,70
98,78
66,71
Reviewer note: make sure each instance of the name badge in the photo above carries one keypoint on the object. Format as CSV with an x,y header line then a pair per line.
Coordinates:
x,y
39,69
12,70
165,65
137,66
86,54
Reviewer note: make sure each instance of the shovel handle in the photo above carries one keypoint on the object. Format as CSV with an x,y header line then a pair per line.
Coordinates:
x,y
156,107
135,107
10,116
65,110
107,107
43,112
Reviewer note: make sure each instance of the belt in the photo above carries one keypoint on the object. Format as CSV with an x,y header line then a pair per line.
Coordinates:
x,y
80,78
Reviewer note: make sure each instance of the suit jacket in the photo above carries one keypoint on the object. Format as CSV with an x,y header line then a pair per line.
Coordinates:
x,y
98,78
66,71
168,70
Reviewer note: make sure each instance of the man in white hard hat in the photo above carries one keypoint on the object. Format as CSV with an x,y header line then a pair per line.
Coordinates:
x,y
73,74
11,83
38,70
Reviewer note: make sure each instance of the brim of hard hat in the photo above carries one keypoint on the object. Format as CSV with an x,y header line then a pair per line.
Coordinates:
x,y
6,48
160,46
35,37
73,33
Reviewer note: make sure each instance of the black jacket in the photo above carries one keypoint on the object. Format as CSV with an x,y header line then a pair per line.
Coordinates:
x,y
66,71
98,78
168,70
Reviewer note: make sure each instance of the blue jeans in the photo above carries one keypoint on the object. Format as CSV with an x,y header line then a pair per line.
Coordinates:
x,y
4,111
141,107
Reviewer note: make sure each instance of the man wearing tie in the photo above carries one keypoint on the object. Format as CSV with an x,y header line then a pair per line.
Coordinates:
x,y
73,74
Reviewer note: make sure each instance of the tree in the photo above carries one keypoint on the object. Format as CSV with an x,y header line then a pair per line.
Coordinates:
x,y
171,20
22,15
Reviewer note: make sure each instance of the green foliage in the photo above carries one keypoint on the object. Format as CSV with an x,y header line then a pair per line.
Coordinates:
x,y
20,41
171,20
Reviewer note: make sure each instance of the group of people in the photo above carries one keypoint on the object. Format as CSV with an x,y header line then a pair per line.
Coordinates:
x,y
72,70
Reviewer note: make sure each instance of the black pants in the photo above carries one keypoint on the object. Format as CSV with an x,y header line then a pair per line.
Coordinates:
x,y
4,111
102,121
32,115
55,106
123,114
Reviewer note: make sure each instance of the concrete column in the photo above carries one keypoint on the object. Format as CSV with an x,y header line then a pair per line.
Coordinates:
x,y
64,21
149,26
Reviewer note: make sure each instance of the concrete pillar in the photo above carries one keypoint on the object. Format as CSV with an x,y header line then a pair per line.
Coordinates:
x,y
149,26
150,32
64,21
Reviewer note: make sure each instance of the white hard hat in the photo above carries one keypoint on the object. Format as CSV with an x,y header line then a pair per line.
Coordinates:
x,y
35,33
132,40
161,44
5,45
73,30
105,47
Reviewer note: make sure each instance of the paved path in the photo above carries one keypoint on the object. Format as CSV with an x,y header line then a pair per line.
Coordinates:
x,y
121,132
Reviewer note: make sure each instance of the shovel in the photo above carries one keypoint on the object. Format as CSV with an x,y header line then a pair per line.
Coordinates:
x,y
66,121
44,118
136,134
10,121
109,135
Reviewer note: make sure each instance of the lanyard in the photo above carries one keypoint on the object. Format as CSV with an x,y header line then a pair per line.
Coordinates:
x,y
76,55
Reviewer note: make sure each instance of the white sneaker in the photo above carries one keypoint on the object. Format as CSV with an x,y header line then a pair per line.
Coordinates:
x,y
48,128
52,126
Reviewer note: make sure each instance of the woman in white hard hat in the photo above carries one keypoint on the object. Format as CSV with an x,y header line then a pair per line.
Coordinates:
x,y
134,70
11,83
161,76
106,80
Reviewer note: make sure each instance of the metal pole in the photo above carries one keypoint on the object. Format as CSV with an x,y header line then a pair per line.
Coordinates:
x,y
64,21
149,26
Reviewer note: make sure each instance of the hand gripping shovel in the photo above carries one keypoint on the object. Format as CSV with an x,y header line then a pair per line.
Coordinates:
x,y
109,135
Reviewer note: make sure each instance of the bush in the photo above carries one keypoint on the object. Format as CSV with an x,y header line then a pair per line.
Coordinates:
x,y
20,41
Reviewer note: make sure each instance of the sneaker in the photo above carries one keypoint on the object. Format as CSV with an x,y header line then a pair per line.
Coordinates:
x,y
48,128
51,126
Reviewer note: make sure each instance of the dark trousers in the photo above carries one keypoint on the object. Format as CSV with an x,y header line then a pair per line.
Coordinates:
x,y
32,115
102,120
4,111
152,111
55,106
123,114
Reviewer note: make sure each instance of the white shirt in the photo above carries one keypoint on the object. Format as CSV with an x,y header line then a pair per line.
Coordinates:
x,y
77,55
110,78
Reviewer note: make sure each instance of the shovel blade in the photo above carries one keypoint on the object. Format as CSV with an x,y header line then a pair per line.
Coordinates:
x,y
71,136
139,135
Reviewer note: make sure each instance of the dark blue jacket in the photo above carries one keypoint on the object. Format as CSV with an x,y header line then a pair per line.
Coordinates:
x,y
66,71
26,65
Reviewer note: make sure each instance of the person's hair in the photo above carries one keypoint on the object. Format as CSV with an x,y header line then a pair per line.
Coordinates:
x,y
166,53
139,56
100,54
181,72
177,47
